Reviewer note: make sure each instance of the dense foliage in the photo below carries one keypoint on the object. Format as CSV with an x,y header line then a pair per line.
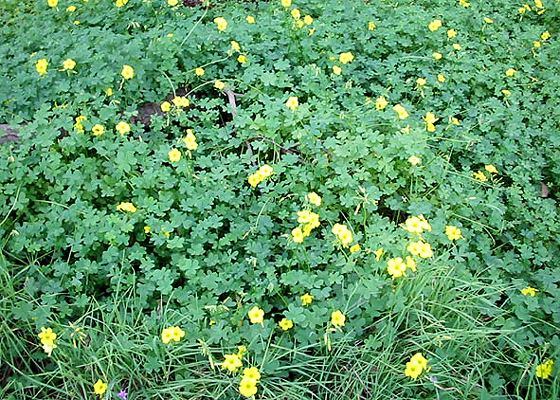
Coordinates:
x,y
162,168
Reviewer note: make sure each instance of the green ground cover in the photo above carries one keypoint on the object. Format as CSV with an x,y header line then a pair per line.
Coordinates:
x,y
306,199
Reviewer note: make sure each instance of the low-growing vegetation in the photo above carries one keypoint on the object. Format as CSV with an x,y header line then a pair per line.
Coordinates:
x,y
307,199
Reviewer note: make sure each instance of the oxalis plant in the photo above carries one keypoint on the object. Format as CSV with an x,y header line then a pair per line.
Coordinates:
x,y
304,199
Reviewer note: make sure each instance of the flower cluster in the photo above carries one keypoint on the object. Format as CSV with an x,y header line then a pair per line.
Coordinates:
x,y
416,366
249,381
232,362
190,140
343,234
308,221
396,267
262,173
417,225
172,333
48,338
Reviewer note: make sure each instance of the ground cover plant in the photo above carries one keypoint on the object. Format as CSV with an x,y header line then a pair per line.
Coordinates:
x,y
306,199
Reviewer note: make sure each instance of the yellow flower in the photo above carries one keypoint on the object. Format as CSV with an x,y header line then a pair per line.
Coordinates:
x,y
219,85
172,333
488,20
286,3
254,180
181,101
235,46
451,33
380,103
434,25
346,58
413,225
401,111
292,103
98,130
396,267
454,121
265,171
464,3
78,125
430,119
421,82
506,92
510,72
248,387
420,249
343,234
338,319
355,248
371,26
199,71
123,128
174,155
52,3
190,140
414,161
314,199
308,20
232,362
538,4
479,176
221,23
544,370
529,291
121,3
109,91
379,253
70,9
295,13
242,59
441,78
410,263
127,207
41,66
252,373
413,370
286,324
457,46
491,168
453,233
336,70
297,235
416,366
177,333
545,35
250,19
147,229
165,106
99,387
537,44
437,56
256,315
306,299
47,336
299,23
76,22
127,72
172,3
